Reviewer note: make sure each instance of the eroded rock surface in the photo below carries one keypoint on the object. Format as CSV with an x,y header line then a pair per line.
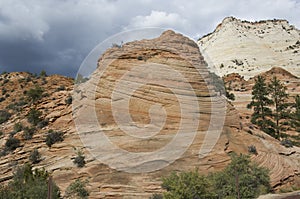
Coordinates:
x,y
93,100
250,48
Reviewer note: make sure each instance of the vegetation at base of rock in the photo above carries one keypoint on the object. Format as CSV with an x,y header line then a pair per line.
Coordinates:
x,y
4,116
187,185
77,189
28,183
79,160
156,196
240,179
53,137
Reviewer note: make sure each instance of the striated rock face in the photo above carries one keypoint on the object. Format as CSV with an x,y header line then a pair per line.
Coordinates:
x,y
249,48
175,123
98,95
154,101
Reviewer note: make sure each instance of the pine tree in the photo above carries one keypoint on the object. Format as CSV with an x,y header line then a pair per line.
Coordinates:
x,y
260,102
279,96
296,113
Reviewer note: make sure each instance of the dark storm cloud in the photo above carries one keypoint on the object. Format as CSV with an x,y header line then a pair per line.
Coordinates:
x,y
56,35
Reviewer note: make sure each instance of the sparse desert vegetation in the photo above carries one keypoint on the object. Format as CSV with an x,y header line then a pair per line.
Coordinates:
x,y
38,132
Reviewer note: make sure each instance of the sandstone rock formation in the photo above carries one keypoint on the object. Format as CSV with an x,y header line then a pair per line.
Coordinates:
x,y
178,52
107,176
250,48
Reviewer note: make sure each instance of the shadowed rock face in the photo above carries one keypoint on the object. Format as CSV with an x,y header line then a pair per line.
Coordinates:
x,y
176,117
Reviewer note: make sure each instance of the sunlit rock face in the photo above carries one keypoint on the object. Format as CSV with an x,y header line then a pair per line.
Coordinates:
x,y
250,48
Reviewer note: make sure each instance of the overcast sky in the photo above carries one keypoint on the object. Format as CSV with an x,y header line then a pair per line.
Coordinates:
x,y
56,35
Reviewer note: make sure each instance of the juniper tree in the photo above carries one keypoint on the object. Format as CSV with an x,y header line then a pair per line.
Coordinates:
x,y
260,103
240,179
279,96
34,94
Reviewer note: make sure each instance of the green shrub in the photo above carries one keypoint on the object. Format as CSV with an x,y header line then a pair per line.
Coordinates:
x,y
240,179
28,79
29,132
287,143
17,106
187,185
3,152
35,156
12,143
4,116
4,91
42,123
44,81
79,159
69,100
61,88
156,196
21,80
53,137
43,73
77,190
33,116
252,149
18,127
5,81
2,99
34,94
12,133
230,96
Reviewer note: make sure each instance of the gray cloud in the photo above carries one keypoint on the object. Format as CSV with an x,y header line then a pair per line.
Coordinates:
x,y
57,35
